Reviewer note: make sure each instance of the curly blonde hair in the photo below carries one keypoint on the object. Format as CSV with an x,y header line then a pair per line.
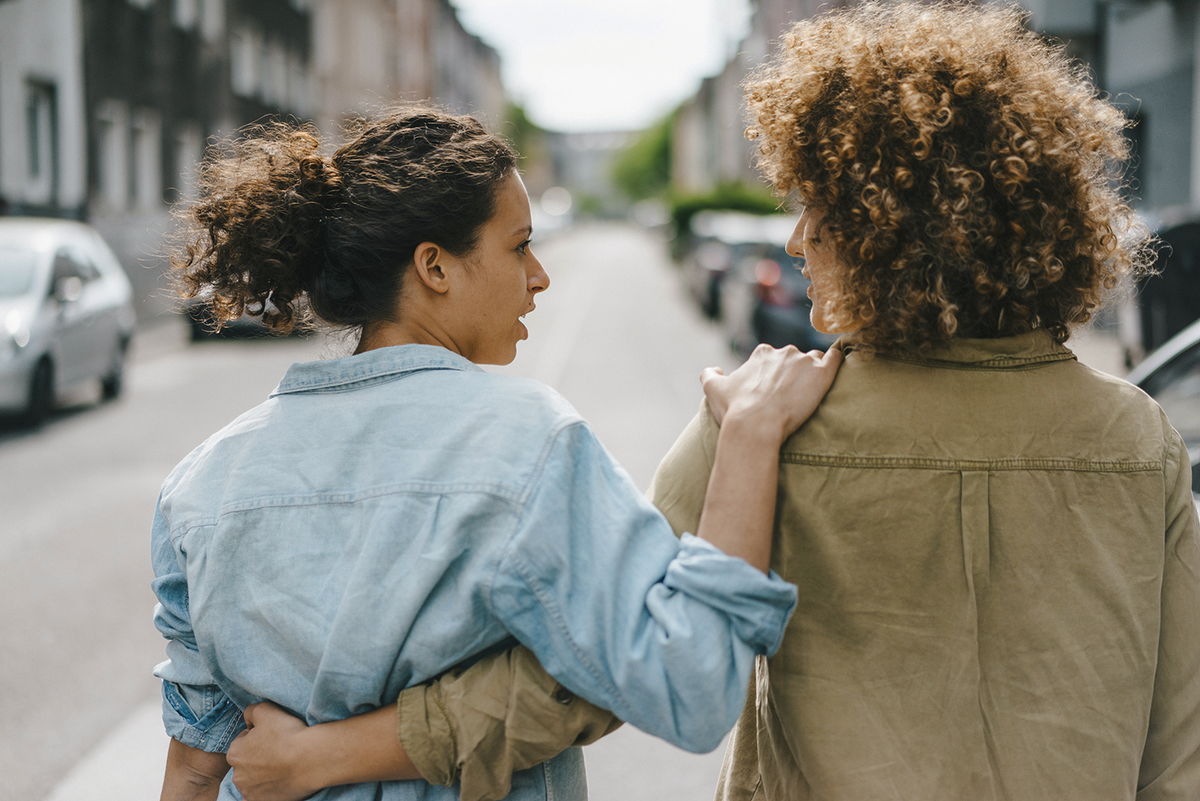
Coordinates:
x,y
967,172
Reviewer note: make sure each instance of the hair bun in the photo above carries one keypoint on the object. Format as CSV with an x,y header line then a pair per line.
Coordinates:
x,y
319,180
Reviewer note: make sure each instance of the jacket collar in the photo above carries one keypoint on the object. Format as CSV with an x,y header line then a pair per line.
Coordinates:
x,y
373,365
1004,353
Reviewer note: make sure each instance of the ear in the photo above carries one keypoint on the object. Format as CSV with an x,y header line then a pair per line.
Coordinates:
x,y
427,259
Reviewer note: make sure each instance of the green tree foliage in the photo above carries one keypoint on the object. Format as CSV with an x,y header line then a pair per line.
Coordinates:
x,y
752,199
527,137
755,199
643,170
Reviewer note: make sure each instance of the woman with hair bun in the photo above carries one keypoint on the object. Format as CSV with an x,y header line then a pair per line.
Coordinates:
x,y
391,514
995,547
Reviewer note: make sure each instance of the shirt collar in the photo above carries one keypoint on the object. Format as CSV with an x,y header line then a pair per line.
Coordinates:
x,y
372,365
1025,350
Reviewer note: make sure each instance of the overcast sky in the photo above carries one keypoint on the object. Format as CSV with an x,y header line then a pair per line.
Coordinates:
x,y
585,65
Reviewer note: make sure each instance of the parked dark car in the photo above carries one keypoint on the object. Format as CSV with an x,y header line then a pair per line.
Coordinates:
x,y
66,311
203,325
1171,375
717,241
760,294
1169,300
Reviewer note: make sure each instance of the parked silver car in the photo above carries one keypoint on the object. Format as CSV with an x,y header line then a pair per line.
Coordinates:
x,y
66,314
1171,375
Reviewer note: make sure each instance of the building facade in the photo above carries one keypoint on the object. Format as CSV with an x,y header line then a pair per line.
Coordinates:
x,y
367,53
107,106
1143,54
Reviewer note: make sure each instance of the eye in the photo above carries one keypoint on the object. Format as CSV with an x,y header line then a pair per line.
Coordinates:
x,y
523,248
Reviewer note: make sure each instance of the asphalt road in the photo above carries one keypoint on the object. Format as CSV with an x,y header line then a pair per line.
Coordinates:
x,y
78,705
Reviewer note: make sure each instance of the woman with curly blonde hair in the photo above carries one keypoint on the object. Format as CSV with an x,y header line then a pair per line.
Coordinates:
x,y
995,546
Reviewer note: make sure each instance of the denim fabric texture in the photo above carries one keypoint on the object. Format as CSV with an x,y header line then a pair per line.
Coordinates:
x,y
386,516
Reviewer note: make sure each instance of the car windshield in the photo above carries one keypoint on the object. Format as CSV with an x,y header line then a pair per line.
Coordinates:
x,y
16,270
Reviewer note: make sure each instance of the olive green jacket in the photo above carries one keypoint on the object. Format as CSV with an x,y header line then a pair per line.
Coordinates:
x,y
996,551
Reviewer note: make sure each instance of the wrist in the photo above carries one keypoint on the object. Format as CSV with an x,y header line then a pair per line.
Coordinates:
x,y
752,427
311,762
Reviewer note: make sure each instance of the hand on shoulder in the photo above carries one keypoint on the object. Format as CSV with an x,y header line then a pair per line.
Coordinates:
x,y
775,391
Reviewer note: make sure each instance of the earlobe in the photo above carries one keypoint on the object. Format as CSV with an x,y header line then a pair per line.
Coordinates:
x,y
427,259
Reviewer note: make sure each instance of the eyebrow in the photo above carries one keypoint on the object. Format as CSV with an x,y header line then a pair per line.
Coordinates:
x,y
525,230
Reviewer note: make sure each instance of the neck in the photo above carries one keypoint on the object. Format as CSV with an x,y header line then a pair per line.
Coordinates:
x,y
387,333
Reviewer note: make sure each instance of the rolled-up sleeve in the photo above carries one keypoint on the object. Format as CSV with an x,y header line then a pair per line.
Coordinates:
x,y
662,631
196,711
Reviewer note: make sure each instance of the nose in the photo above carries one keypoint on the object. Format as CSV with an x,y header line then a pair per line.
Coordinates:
x,y
795,243
539,280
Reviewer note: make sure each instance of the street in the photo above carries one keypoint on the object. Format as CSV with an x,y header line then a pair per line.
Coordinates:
x,y
79,717
78,703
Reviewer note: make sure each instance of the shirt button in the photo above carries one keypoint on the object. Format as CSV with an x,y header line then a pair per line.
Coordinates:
x,y
563,695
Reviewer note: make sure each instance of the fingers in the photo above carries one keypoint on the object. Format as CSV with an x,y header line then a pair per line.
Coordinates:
x,y
266,713
832,357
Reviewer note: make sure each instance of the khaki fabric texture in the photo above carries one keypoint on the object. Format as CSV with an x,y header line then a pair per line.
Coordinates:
x,y
502,714
996,553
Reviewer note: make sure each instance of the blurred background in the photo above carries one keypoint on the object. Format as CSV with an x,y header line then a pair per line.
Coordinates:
x,y
664,246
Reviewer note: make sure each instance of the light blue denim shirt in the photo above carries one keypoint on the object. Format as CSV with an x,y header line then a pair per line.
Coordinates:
x,y
385,516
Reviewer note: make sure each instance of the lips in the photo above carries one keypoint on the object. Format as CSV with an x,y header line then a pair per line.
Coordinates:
x,y
524,330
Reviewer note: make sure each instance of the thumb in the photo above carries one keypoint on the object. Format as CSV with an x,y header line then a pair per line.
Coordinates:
x,y
832,357
250,713
709,373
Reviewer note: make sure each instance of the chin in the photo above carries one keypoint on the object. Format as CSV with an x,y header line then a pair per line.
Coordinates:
x,y
502,359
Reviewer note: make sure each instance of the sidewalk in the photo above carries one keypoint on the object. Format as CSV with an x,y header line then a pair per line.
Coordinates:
x,y
127,766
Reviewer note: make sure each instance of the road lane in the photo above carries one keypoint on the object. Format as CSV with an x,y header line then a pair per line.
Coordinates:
x,y
75,600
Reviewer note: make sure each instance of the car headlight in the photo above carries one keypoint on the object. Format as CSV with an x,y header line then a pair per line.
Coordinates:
x,y
15,335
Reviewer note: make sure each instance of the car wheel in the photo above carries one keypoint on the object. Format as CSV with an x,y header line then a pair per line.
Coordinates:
x,y
41,394
111,383
712,300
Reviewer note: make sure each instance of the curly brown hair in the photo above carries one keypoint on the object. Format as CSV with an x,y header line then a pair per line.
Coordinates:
x,y
277,222
967,171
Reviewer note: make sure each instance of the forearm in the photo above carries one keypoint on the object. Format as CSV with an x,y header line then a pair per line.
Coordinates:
x,y
364,748
739,506
192,774
501,715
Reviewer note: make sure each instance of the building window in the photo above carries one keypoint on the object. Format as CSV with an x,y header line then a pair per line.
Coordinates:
x,y
212,19
298,97
112,154
245,61
275,74
189,149
185,13
41,116
145,160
